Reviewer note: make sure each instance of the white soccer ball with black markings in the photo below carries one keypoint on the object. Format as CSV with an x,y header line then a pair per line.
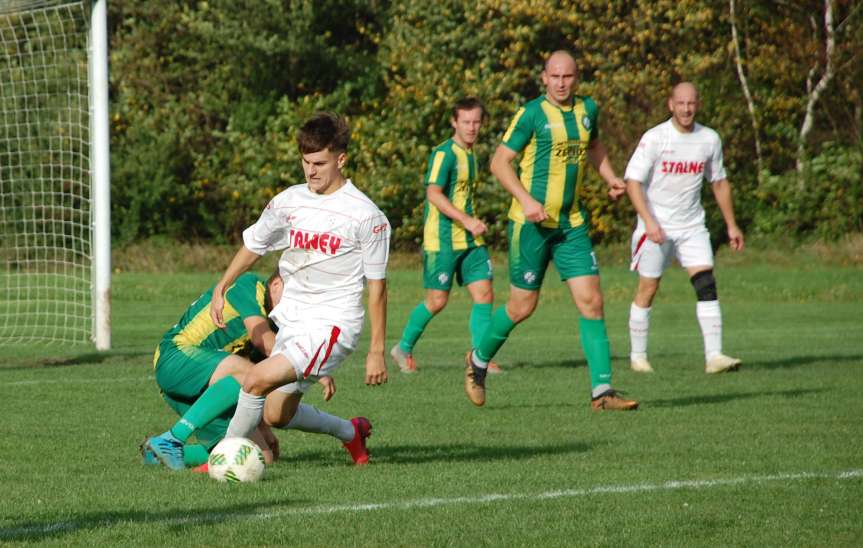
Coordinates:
x,y
236,460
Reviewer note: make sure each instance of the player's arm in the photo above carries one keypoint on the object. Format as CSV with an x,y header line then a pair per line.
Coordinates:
x,y
635,191
501,168
242,261
598,156
435,196
376,366
722,192
262,337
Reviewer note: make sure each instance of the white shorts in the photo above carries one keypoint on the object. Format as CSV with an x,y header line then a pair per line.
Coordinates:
x,y
690,247
313,354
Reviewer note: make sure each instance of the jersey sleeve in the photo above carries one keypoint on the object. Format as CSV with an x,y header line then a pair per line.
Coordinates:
x,y
439,167
269,233
715,168
374,240
642,161
520,131
247,296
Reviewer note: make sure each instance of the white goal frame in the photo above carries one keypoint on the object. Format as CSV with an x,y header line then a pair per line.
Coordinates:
x,y
55,202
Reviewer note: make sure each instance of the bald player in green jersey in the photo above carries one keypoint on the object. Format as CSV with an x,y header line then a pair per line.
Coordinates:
x,y
200,368
453,245
556,135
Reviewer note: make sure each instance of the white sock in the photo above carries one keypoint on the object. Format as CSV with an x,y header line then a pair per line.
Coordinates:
x,y
478,362
248,415
309,418
710,319
639,324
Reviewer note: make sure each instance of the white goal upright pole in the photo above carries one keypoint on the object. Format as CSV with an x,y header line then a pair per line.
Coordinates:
x,y
101,175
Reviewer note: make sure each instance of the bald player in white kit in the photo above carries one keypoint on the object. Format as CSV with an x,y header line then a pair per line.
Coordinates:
x,y
334,241
663,181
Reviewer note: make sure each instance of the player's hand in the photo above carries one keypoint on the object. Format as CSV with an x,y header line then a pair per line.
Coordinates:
x,y
329,387
616,188
735,238
217,305
475,226
534,211
654,232
270,439
376,369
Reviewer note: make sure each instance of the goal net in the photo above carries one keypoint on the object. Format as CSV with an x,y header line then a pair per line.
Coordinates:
x,y
47,270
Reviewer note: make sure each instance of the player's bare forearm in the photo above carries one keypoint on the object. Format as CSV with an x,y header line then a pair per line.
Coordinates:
x,y
260,334
241,262
722,193
501,168
635,191
376,368
598,156
435,196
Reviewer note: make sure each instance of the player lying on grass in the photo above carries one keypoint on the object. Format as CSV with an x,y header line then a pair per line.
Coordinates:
x,y
333,241
200,368
453,245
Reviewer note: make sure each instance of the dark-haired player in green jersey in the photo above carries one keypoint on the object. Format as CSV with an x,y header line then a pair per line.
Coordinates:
x,y
200,368
556,134
453,246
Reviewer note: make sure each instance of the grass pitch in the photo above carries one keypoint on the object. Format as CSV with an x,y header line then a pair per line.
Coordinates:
x,y
767,456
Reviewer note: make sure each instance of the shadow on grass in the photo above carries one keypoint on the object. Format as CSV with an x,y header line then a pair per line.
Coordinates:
x,y
80,359
727,397
559,364
419,454
800,361
174,519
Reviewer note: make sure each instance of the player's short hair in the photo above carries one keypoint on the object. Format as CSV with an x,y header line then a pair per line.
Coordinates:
x,y
322,131
467,103
268,299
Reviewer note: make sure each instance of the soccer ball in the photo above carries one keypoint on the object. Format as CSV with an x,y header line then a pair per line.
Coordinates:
x,y
236,459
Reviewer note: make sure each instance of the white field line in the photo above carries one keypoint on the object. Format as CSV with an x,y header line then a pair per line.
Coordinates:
x,y
410,504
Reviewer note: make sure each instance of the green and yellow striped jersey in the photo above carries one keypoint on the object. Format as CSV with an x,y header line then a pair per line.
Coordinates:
x,y
454,169
554,141
244,299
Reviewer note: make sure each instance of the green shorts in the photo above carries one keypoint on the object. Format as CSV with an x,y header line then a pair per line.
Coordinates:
x,y
532,246
468,265
183,372
211,433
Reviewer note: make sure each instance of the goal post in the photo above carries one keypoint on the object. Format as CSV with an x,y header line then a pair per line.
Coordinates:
x,y
55,262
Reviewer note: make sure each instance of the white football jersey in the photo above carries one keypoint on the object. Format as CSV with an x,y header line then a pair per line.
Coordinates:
x,y
672,167
331,243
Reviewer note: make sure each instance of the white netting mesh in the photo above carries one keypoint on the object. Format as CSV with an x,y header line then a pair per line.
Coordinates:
x,y
45,214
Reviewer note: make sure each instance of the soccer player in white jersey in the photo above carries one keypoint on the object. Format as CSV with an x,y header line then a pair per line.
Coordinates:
x,y
663,181
334,240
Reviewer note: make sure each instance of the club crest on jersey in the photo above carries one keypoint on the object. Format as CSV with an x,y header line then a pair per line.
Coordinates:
x,y
324,242
682,168
586,122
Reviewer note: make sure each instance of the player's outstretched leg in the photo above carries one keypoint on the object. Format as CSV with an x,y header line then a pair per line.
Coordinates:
x,y
594,339
405,360
402,352
639,324
474,380
168,449
357,446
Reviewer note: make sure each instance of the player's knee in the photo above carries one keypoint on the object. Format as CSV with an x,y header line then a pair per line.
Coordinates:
x,y
705,285
520,311
436,303
274,418
255,385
